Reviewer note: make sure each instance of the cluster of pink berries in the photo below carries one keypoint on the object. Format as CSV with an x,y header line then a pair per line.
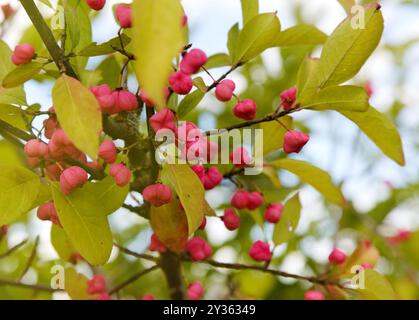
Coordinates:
x,y
114,101
97,286
246,200
210,177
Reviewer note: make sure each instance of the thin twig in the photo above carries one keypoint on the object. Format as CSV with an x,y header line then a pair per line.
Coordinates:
x,y
31,258
132,279
12,249
36,287
136,254
238,266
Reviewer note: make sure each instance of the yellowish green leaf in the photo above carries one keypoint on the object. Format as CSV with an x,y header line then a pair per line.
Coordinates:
x,y
21,74
381,130
301,34
285,227
19,188
76,285
79,114
314,176
250,9
159,37
170,225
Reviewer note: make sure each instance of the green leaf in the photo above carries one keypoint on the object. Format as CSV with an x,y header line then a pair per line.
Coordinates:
x,y
218,60
274,133
347,5
108,68
285,227
190,102
377,287
156,44
257,35
307,80
250,9
316,177
19,188
347,48
21,74
76,285
190,192
79,30
301,34
79,114
44,195
14,116
379,128
107,47
61,243
199,83
350,98
170,224
108,194
85,223
233,37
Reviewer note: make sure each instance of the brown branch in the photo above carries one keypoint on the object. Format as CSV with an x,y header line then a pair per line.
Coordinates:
x,y
238,266
136,254
172,268
132,279
35,287
216,82
268,118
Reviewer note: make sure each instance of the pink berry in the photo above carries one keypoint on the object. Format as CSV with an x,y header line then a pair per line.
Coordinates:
x,y
124,100
368,89
180,82
46,211
313,295
245,110
224,90
96,4
149,297
294,141
195,291
103,296
107,151
254,200
96,285
7,10
198,249
231,219
366,265
72,178
156,244
273,212
203,223
164,119
213,178
123,15
158,194
199,170
337,256
400,237
193,61
105,98
288,98
23,54
260,251
240,200
240,157
184,20
36,148
50,125
120,173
